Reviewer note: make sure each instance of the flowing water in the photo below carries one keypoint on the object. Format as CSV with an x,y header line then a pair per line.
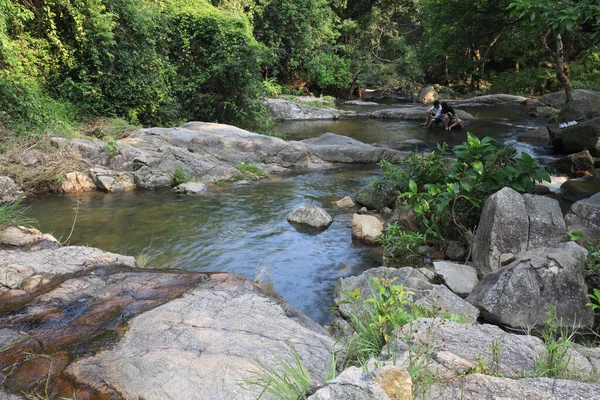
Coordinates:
x,y
243,229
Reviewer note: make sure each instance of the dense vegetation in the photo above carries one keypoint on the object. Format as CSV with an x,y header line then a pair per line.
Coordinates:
x,y
160,62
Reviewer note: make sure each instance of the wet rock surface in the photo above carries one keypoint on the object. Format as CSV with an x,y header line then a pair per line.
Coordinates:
x,y
78,321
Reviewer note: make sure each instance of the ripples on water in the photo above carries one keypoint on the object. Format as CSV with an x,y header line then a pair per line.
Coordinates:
x,y
237,229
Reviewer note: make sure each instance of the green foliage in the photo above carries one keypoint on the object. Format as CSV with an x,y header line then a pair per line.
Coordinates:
x,y
401,245
289,380
373,320
250,171
447,196
111,146
585,72
532,81
594,301
554,362
329,71
592,263
178,176
271,88
14,214
575,235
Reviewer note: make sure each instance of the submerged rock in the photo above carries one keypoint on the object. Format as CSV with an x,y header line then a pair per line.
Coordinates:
x,y
412,114
190,188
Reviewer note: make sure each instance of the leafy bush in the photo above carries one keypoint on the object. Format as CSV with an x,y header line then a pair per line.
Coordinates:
x,y
178,176
532,81
447,195
585,73
401,245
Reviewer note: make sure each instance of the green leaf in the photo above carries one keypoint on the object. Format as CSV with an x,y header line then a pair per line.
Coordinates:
x,y
412,186
478,166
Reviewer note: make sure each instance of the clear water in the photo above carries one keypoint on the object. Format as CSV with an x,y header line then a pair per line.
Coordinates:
x,y
240,229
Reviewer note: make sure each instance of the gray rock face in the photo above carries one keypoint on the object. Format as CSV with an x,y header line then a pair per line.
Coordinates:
x,y
385,383
427,95
412,114
491,99
9,191
503,228
520,294
459,278
345,202
117,331
367,228
203,345
584,216
478,386
283,110
557,99
311,215
19,236
546,224
190,188
458,346
425,293
576,138
455,252
337,148
539,137
582,161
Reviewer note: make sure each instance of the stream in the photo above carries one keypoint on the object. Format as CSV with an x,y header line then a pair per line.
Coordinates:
x,y
243,229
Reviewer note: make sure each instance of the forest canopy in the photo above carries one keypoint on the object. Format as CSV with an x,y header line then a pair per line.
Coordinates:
x,y
161,62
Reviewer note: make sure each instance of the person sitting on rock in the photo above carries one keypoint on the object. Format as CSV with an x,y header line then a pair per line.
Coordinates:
x,y
450,118
434,114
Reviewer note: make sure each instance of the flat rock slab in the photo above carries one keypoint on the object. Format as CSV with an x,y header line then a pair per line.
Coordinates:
x,y
206,344
412,114
106,329
459,278
478,387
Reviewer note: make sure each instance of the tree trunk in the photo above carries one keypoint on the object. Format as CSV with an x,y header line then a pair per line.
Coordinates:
x,y
561,73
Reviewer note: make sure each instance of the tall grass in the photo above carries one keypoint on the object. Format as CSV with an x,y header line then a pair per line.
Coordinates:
x,y
288,380
13,213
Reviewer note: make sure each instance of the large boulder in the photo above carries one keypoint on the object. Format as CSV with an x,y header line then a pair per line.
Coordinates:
x,y
9,191
584,215
427,95
110,181
310,215
109,330
582,161
557,99
575,138
460,346
342,149
503,228
412,114
367,228
520,294
23,237
546,224
579,189
376,198
284,110
538,137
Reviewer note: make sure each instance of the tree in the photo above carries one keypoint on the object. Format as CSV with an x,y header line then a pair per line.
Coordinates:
x,y
577,19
